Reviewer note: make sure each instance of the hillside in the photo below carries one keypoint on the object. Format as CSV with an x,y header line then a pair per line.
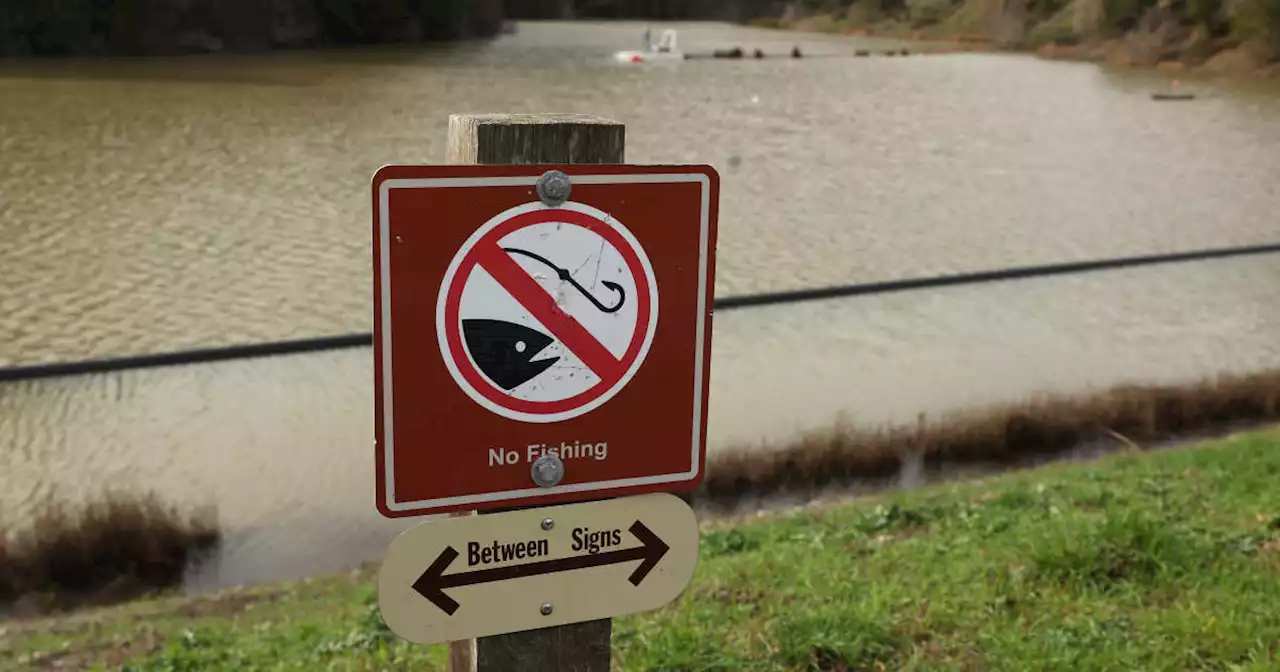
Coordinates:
x,y
1142,561
93,27
1216,35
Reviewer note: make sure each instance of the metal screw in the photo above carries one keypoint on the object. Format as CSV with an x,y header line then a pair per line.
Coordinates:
x,y
553,188
547,471
546,609
547,523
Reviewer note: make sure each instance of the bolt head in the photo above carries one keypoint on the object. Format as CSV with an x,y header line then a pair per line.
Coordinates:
x,y
547,609
557,188
547,523
554,187
547,471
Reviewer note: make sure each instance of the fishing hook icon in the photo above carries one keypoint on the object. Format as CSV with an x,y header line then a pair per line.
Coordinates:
x,y
564,275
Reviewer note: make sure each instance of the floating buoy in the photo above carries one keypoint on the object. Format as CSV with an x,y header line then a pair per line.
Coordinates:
x,y
648,56
1171,95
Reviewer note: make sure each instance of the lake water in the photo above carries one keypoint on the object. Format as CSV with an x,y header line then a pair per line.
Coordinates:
x,y
148,206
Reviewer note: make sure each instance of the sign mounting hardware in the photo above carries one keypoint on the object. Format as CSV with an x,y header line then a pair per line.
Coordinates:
x,y
554,188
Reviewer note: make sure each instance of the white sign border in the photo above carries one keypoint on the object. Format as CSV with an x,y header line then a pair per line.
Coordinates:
x,y
384,322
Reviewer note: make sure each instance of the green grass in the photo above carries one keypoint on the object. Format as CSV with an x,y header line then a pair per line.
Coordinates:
x,y
1166,561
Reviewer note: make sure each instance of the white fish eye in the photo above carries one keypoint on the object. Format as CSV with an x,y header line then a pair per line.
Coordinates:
x,y
520,346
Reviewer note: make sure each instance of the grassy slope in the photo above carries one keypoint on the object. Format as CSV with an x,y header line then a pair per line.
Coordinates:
x,y
1167,561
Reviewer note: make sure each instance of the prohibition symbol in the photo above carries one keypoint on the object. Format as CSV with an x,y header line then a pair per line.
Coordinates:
x,y
547,313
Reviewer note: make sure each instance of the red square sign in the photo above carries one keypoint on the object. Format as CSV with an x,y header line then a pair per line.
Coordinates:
x,y
511,330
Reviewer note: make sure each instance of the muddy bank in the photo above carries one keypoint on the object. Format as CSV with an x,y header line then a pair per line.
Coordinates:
x,y
124,546
1127,417
117,547
1215,36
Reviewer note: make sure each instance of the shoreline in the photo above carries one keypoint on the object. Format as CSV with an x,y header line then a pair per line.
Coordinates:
x,y
1041,428
838,462
1198,523
1197,54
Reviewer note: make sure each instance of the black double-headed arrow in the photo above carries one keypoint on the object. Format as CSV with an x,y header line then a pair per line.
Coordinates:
x,y
433,582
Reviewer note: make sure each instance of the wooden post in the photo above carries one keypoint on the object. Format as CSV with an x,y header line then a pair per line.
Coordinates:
x,y
524,139
462,654
534,138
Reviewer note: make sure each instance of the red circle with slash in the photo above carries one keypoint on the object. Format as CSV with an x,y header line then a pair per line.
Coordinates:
x,y
484,251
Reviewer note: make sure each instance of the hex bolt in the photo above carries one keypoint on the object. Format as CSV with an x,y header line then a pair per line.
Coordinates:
x,y
547,609
553,188
547,471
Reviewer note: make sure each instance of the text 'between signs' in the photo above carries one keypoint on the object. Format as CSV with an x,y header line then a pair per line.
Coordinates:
x,y
462,577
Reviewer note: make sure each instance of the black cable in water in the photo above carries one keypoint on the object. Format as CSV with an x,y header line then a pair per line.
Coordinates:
x,y
33,371
1000,275
365,339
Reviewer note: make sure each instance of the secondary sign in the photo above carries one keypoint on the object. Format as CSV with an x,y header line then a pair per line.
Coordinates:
x,y
516,329
461,578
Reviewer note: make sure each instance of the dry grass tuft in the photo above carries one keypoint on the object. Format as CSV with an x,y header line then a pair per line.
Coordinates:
x,y
118,547
1040,427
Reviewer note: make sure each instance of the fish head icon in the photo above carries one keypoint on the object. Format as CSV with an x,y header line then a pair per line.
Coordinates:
x,y
504,351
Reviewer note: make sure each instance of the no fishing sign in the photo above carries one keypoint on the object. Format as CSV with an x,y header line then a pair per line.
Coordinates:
x,y
541,334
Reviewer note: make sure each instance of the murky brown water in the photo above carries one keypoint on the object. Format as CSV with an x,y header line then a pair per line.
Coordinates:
x,y
149,206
